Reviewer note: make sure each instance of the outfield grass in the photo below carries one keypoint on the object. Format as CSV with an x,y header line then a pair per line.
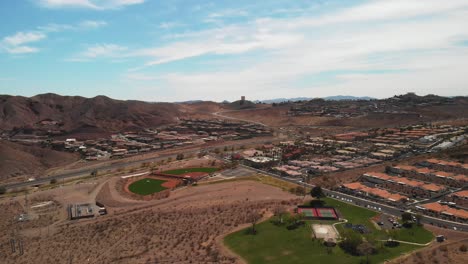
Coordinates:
x,y
147,186
187,170
275,244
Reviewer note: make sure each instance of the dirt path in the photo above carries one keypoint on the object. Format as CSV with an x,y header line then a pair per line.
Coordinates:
x,y
220,114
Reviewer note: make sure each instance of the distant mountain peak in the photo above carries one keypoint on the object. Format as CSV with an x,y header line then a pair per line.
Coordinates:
x,y
329,98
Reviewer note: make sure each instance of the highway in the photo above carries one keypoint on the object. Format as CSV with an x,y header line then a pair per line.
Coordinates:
x,y
124,164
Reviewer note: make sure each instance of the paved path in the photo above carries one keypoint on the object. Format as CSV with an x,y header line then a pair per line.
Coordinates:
x,y
409,243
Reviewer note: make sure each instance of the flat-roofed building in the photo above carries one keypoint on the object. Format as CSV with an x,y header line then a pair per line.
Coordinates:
x,y
79,211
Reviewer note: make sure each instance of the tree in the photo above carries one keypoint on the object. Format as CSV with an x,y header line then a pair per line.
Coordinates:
x,y
2,190
180,156
299,190
253,218
94,173
330,243
365,249
279,212
388,169
53,181
317,192
418,219
406,217
350,241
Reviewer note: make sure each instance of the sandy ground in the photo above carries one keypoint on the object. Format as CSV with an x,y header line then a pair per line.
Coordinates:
x,y
324,231
179,229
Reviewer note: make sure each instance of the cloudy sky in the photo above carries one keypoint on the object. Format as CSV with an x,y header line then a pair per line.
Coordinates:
x,y
175,50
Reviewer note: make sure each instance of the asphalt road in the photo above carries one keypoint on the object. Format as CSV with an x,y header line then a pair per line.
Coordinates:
x,y
120,164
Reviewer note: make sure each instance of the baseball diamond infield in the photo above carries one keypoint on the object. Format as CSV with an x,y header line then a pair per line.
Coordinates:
x,y
147,186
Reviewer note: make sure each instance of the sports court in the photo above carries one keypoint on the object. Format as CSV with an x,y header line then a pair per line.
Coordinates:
x,y
326,232
325,213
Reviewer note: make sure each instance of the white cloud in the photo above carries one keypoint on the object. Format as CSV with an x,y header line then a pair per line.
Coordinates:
x,y
53,27
21,49
17,43
141,77
83,25
23,38
100,51
92,24
413,43
169,25
88,4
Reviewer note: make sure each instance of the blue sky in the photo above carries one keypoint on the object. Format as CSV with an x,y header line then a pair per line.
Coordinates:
x,y
176,50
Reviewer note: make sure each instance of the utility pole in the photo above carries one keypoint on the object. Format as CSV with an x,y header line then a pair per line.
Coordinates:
x,y
21,250
26,201
13,245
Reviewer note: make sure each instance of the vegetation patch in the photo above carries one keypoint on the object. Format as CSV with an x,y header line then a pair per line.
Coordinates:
x,y
272,239
147,186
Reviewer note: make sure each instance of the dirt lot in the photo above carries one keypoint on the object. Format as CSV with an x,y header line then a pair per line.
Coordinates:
x,y
179,229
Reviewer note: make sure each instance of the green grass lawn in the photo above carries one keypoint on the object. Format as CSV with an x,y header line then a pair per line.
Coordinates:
x,y
187,170
415,234
276,244
147,186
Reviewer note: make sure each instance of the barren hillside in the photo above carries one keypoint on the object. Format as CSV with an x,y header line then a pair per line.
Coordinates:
x,y
17,160
75,112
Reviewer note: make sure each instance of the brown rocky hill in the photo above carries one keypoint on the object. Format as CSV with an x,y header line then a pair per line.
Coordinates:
x,y
75,112
29,161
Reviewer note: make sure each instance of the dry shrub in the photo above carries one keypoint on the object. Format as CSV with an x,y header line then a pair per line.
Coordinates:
x,y
443,248
463,248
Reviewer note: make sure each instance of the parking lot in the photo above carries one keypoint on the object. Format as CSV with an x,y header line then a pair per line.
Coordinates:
x,y
237,172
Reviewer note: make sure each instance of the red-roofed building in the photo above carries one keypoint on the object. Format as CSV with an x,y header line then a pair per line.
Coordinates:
x,y
448,166
429,175
459,198
446,212
358,188
414,188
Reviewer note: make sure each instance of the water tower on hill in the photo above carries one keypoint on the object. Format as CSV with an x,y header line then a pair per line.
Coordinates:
x,y
242,101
